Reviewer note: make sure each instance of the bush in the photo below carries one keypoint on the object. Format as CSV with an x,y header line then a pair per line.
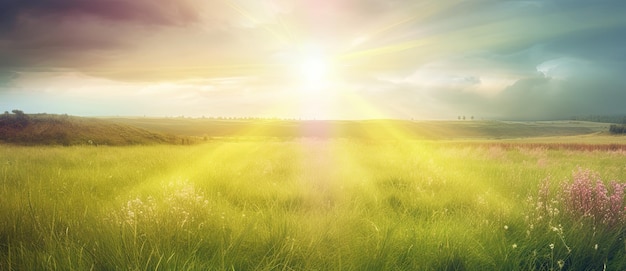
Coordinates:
x,y
617,129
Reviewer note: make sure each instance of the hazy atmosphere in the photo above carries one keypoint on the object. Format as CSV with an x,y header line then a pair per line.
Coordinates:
x,y
549,59
313,135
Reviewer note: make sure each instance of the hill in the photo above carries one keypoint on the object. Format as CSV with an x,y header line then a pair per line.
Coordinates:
x,y
374,129
47,129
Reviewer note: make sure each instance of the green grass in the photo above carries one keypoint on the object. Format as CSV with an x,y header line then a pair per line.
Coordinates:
x,y
297,205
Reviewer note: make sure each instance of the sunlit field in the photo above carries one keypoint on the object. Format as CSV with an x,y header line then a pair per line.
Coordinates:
x,y
312,204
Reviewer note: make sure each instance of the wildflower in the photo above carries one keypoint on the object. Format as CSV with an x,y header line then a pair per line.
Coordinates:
x,y
561,263
586,196
514,246
595,247
506,227
551,246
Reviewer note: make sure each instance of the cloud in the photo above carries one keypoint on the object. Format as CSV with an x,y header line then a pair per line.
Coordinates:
x,y
6,76
436,59
557,99
37,34
144,11
588,90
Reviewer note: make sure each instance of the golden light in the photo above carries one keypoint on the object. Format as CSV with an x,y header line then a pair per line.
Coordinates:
x,y
313,69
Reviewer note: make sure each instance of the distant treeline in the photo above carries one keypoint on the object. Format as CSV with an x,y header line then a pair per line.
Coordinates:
x,y
617,119
617,129
235,118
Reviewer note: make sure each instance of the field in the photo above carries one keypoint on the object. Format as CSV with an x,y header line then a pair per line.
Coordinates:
x,y
313,204
364,129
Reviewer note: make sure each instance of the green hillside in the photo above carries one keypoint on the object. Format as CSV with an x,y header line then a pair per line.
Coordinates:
x,y
47,129
375,129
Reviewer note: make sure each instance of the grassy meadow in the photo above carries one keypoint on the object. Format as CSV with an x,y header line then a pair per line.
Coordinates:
x,y
306,204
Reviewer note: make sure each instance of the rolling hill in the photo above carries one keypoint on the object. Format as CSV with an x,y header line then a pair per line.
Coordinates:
x,y
48,129
376,129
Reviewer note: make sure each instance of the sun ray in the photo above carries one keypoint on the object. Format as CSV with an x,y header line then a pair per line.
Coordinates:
x,y
385,128
424,12
253,20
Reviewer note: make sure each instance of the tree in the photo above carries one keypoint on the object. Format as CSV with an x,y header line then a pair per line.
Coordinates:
x,y
617,129
463,117
20,119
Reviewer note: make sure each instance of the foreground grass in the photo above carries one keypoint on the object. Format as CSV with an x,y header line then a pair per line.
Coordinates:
x,y
297,205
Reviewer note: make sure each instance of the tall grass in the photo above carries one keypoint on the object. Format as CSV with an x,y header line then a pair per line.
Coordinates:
x,y
301,205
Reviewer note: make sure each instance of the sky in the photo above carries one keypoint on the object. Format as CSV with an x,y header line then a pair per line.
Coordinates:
x,y
315,59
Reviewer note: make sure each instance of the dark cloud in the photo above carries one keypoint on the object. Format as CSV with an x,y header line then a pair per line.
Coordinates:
x,y
47,34
590,5
604,45
145,11
6,76
44,45
543,98
554,99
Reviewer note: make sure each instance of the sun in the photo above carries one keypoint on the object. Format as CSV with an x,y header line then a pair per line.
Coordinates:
x,y
314,69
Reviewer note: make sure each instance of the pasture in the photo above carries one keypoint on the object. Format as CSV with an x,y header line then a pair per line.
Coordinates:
x,y
310,204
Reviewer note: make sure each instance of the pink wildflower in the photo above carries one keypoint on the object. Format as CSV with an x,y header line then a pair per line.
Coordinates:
x,y
588,196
